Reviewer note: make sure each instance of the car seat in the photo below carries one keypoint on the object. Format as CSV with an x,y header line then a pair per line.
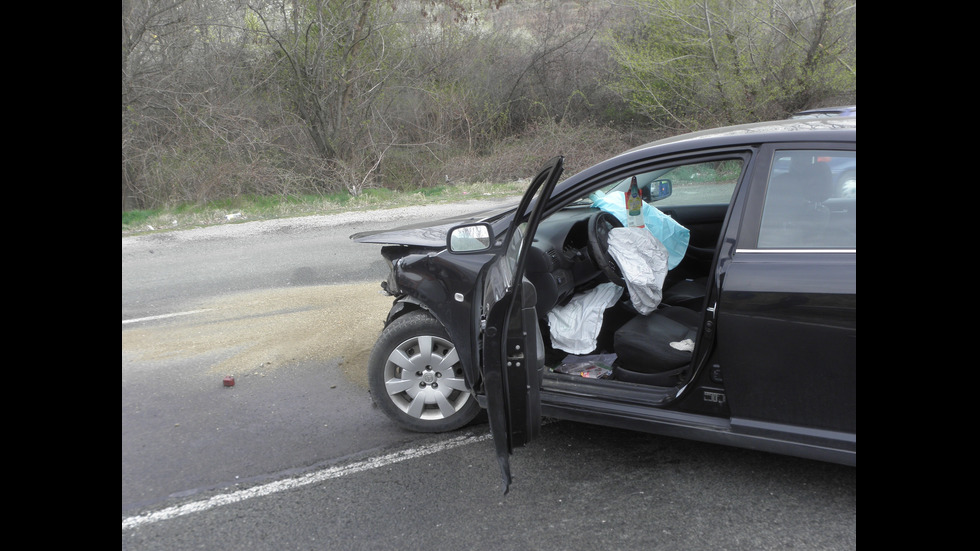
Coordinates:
x,y
688,286
656,349
688,293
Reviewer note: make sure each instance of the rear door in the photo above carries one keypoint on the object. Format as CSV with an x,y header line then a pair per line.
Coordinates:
x,y
787,311
513,353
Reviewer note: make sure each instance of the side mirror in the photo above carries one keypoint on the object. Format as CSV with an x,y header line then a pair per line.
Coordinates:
x,y
470,238
657,190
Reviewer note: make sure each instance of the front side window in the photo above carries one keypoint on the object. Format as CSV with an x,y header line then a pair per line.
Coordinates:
x,y
811,201
501,273
701,183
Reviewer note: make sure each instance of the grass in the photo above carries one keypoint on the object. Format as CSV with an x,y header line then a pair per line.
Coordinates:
x,y
251,208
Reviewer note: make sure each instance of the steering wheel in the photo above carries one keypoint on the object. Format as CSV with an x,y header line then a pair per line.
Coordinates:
x,y
599,225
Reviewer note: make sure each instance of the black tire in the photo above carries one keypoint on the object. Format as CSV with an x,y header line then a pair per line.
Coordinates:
x,y
416,378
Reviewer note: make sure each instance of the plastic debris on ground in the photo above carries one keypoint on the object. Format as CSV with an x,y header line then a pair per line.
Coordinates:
x,y
575,326
595,366
642,259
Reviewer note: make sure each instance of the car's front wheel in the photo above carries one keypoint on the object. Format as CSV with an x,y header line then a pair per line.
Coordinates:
x,y
416,377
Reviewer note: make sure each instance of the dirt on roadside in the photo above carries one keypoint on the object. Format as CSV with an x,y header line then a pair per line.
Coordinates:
x,y
257,332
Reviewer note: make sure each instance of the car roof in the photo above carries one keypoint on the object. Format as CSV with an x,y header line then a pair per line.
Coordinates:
x,y
840,110
831,128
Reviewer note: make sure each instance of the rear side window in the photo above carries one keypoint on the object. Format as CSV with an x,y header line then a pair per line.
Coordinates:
x,y
811,201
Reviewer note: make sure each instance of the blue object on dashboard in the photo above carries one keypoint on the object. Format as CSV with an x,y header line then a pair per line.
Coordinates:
x,y
673,235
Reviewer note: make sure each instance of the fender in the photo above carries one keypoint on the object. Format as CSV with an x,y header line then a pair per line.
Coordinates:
x,y
448,287
403,305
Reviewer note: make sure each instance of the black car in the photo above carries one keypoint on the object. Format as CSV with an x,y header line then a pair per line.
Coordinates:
x,y
728,317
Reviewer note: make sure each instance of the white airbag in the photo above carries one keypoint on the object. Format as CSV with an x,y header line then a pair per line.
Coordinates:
x,y
575,326
642,259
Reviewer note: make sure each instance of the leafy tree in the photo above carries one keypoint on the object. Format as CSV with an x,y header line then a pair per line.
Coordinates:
x,y
692,63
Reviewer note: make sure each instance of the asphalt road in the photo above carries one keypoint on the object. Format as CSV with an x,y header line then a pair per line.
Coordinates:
x,y
295,456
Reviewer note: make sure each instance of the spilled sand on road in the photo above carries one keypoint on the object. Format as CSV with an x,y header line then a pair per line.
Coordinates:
x,y
260,331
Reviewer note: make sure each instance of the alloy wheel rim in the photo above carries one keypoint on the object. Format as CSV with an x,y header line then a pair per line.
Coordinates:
x,y
423,378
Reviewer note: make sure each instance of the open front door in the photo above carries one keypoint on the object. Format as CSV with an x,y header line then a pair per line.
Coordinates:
x,y
513,354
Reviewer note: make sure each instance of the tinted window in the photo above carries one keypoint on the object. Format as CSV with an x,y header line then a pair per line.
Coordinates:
x,y
811,201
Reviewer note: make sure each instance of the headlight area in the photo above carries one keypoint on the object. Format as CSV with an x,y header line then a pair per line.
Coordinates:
x,y
389,286
392,255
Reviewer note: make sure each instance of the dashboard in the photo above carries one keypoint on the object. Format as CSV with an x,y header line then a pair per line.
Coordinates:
x,y
559,262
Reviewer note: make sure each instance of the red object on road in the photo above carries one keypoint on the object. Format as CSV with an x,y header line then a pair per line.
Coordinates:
x,y
229,381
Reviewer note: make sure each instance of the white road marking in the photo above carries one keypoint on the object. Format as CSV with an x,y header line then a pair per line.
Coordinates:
x,y
288,484
164,316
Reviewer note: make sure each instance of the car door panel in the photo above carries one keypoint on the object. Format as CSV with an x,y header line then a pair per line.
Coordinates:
x,y
786,332
703,221
513,352
790,350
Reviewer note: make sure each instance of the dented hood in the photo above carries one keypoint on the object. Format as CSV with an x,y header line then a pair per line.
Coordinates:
x,y
431,233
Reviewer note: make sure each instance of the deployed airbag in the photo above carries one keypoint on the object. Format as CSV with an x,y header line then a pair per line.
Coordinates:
x,y
674,236
642,259
575,326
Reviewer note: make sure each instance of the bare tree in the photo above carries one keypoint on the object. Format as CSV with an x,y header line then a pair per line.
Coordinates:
x,y
148,31
333,61
197,123
179,59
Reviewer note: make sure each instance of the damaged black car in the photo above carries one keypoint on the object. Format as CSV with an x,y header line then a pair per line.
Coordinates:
x,y
702,286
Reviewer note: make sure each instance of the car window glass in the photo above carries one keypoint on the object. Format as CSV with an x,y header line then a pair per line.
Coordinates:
x,y
702,183
693,184
502,271
811,200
